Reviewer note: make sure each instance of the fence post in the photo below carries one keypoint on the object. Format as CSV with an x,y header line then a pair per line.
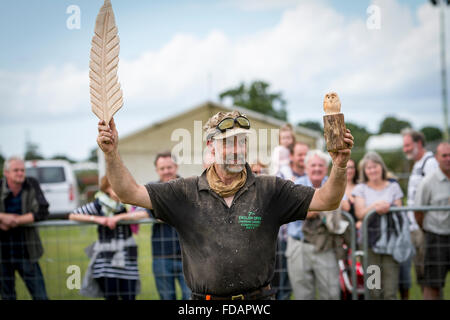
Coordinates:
x,y
366,251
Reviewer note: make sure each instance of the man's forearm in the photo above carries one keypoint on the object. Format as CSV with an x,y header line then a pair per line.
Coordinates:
x,y
118,175
418,215
333,190
12,220
83,217
329,196
25,219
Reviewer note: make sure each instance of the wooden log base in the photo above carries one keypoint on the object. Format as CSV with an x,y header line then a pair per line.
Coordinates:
x,y
334,129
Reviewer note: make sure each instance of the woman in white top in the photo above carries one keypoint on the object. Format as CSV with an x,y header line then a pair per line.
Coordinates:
x,y
377,193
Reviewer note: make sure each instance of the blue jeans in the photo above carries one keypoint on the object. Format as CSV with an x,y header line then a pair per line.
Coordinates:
x,y
31,274
166,271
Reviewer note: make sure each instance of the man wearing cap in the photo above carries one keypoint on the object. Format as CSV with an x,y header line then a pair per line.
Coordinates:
x,y
227,218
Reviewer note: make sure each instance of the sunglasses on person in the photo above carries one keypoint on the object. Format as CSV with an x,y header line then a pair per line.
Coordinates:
x,y
229,123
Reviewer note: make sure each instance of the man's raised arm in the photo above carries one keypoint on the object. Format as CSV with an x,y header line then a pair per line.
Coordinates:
x,y
118,175
329,196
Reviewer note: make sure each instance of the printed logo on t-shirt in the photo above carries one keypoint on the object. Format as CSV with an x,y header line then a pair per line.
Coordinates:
x,y
251,221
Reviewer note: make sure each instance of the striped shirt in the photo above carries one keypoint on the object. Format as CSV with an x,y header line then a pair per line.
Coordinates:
x,y
118,251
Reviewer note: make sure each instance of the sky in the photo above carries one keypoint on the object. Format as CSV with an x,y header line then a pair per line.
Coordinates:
x,y
382,57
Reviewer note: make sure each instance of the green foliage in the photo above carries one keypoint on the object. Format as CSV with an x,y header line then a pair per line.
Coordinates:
x,y
62,157
358,153
359,133
432,133
393,125
256,97
64,246
32,152
93,157
313,125
395,161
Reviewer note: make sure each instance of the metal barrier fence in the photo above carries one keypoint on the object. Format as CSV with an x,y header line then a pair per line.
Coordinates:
x,y
64,242
65,259
353,287
386,260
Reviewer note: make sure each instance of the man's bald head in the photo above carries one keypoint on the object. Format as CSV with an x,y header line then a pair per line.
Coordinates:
x,y
443,157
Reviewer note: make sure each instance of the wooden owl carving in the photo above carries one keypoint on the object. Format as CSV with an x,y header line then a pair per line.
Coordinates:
x,y
331,103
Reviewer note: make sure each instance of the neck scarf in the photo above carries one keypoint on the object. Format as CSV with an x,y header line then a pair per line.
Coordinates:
x,y
109,206
222,189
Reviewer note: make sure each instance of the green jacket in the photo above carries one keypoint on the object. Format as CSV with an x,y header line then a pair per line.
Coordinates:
x,y
33,201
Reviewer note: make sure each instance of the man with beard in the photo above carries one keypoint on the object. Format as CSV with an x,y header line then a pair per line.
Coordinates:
x,y
424,164
227,218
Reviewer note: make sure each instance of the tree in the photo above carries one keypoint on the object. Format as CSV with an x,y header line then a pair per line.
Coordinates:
x,y
313,125
32,151
62,157
256,97
93,156
393,125
432,133
360,134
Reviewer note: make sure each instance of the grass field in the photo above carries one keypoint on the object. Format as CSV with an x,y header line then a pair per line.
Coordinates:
x,y
64,246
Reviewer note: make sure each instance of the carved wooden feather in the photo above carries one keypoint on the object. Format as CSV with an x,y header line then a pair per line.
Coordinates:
x,y
106,94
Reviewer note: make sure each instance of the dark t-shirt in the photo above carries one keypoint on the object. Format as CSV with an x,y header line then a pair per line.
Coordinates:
x,y
165,241
229,250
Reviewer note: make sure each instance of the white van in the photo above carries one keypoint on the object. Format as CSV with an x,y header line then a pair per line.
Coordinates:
x,y
58,182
